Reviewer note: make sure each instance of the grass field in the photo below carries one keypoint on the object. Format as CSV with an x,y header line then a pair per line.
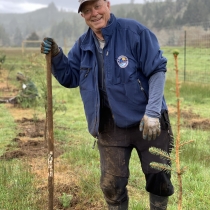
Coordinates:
x,y
81,163
194,64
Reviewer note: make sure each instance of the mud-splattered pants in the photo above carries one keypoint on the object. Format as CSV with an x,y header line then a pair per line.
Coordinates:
x,y
115,146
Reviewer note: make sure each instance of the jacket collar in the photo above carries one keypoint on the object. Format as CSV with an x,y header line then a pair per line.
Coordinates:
x,y
88,41
108,30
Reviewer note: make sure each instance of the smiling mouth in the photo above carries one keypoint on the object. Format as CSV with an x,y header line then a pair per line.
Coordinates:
x,y
97,20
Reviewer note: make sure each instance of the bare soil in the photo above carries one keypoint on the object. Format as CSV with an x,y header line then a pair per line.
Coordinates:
x,y
191,120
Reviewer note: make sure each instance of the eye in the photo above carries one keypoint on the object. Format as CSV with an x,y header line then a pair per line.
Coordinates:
x,y
98,6
87,11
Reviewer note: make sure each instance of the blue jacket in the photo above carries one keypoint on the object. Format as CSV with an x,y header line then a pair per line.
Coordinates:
x,y
131,55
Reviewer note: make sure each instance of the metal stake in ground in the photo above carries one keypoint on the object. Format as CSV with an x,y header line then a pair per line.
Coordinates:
x,y
50,133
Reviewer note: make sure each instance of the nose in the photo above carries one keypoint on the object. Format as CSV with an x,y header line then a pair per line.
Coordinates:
x,y
94,12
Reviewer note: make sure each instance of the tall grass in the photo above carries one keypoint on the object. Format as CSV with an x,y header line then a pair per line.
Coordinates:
x,y
17,189
7,129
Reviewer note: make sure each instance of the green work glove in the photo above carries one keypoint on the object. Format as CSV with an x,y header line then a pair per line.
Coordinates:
x,y
47,45
150,127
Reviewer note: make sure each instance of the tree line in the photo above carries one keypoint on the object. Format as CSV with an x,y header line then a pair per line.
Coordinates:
x,y
62,25
169,13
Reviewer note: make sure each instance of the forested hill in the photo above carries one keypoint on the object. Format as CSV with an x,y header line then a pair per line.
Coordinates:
x,y
168,13
60,24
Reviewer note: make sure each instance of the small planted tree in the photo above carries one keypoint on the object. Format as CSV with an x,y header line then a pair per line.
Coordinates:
x,y
27,96
177,147
178,144
33,37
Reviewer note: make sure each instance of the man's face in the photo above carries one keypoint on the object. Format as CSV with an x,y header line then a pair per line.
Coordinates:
x,y
96,14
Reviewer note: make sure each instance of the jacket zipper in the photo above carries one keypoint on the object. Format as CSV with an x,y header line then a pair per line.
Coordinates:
x,y
96,117
142,89
107,53
86,69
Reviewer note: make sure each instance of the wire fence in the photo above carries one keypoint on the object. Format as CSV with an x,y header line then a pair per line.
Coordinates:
x,y
193,43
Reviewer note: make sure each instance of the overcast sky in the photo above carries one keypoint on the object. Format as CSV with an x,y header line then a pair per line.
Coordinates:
x,y
22,6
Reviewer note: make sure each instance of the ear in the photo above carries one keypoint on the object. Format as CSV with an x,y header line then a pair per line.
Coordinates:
x,y
108,4
82,15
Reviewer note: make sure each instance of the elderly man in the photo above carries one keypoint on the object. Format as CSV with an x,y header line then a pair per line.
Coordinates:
x,y
120,70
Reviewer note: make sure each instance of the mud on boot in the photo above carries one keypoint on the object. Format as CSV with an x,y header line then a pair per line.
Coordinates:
x,y
122,206
158,202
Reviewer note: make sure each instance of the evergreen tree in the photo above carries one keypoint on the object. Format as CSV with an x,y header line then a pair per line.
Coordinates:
x,y
17,39
134,14
4,37
197,11
62,31
33,37
121,12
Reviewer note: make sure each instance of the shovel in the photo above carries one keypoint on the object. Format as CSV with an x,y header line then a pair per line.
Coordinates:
x,y
50,139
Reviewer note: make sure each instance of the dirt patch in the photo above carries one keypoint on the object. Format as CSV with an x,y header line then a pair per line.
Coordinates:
x,y
32,128
29,141
190,119
202,124
9,90
27,149
12,155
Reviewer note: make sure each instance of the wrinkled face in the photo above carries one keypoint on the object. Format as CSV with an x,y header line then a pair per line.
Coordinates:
x,y
96,14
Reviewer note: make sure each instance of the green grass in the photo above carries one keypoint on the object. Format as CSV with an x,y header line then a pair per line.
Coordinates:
x,y
7,129
197,61
193,96
17,189
70,129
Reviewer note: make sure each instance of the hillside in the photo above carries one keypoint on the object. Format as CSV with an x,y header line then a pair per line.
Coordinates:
x,y
61,24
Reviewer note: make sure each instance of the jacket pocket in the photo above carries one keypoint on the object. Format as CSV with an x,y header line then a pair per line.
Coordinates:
x,y
134,93
125,70
86,78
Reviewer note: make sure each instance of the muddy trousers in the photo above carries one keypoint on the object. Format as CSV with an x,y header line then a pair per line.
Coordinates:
x,y
117,197
115,146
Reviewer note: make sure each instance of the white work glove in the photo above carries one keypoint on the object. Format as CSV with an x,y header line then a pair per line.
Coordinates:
x,y
150,127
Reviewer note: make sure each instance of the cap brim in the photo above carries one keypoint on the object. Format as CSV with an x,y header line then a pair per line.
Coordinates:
x,y
80,6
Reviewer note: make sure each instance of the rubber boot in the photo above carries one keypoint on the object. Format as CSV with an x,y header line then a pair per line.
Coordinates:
x,y
123,206
158,202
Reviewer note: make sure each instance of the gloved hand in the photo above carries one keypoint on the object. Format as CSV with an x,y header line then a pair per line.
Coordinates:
x,y
150,127
47,45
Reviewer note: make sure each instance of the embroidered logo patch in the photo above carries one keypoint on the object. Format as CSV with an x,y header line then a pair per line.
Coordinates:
x,y
122,61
